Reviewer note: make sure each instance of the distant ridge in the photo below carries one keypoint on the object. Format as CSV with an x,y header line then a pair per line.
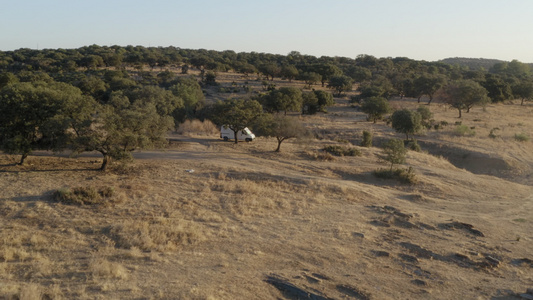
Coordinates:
x,y
472,63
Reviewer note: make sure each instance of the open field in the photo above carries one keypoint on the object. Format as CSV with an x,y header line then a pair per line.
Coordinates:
x,y
206,219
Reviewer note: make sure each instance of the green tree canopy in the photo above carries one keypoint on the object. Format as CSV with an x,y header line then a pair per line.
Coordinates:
x,y
464,94
428,84
394,152
237,114
498,89
190,91
523,90
340,84
310,78
32,116
375,108
279,126
289,71
120,127
270,70
406,121
284,99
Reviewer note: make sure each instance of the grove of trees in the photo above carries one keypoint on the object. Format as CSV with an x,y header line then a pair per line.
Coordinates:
x,y
115,99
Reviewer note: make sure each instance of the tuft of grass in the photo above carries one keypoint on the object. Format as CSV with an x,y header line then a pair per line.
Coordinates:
x,y
102,268
521,137
342,151
160,234
407,176
88,195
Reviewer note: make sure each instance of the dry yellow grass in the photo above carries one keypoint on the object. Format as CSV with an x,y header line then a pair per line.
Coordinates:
x,y
246,213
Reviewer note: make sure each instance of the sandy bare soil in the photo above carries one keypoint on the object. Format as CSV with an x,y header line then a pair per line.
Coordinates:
x,y
207,219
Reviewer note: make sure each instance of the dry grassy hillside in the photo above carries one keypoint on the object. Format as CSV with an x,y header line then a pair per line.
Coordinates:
x,y
205,219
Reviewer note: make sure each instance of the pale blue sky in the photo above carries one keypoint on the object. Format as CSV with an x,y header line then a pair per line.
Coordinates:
x,y
423,30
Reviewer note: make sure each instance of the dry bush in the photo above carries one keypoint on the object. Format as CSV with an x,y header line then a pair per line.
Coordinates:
x,y
316,155
14,254
197,127
32,291
89,195
102,268
42,267
160,234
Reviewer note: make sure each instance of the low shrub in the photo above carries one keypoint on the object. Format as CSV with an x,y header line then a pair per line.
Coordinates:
x,y
492,133
367,139
406,176
316,155
463,130
521,137
197,127
414,146
88,195
342,151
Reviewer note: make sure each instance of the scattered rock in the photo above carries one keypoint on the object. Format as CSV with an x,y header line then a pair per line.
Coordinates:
x,y
526,296
291,290
358,235
464,226
521,261
318,275
423,273
461,257
419,282
426,226
353,292
311,279
493,261
379,223
417,250
408,258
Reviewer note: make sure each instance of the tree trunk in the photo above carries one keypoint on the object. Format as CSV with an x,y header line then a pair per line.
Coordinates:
x,y
22,159
430,99
280,140
106,162
460,113
419,98
235,136
522,102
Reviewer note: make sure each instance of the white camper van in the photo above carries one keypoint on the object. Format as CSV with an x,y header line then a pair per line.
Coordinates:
x,y
242,135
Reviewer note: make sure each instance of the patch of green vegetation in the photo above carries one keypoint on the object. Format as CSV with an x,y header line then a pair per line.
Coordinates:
x,y
342,151
521,137
367,139
407,176
414,146
463,130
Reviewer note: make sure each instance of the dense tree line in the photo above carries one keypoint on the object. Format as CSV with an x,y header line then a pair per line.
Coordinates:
x,y
116,99
381,77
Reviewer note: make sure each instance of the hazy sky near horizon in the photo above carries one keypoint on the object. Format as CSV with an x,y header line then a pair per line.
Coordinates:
x,y
418,29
